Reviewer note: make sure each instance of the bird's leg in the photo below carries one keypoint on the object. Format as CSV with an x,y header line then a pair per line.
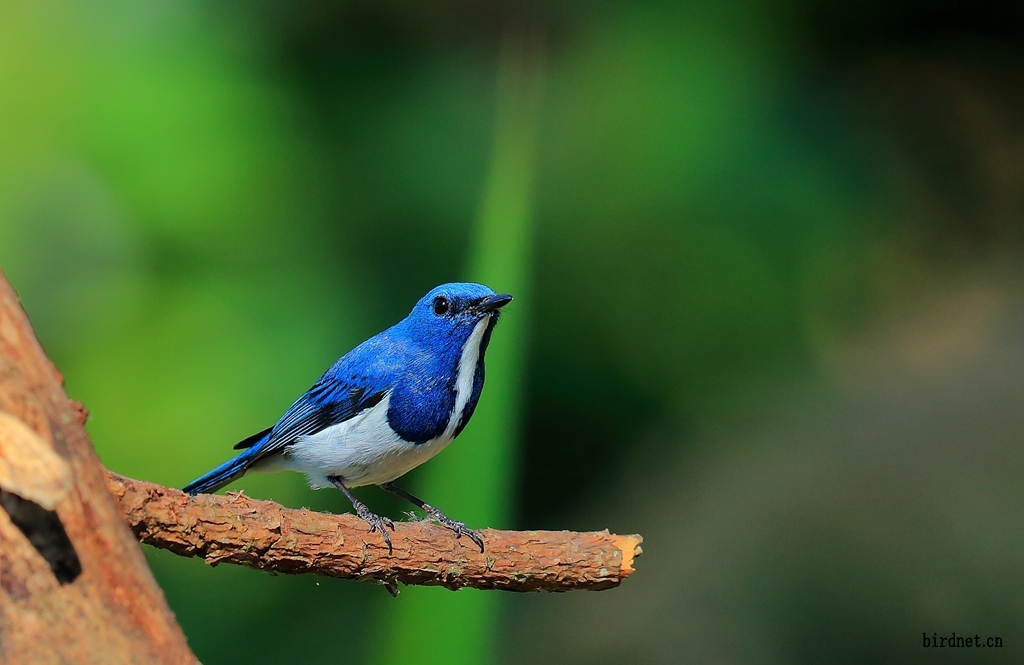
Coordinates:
x,y
436,515
375,521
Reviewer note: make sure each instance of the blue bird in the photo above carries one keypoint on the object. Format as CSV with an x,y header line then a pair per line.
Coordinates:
x,y
384,408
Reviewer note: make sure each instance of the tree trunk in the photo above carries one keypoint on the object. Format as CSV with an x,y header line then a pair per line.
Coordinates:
x,y
74,585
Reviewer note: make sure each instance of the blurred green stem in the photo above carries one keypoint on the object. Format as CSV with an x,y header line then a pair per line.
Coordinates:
x,y
473,480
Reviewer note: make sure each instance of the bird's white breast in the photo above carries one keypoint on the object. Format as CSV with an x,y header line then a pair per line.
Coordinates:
x,y
364,450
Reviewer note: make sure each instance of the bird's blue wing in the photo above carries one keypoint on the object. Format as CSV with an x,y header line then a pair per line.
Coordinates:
x,y
327,403
358,381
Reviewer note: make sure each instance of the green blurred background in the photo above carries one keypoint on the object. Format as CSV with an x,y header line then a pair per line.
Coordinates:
x,y
769,301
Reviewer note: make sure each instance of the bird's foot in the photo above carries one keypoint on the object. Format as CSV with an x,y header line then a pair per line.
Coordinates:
x,y
377,523
435,515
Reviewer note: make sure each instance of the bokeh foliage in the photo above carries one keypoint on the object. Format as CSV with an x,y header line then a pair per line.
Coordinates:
x,y
203,205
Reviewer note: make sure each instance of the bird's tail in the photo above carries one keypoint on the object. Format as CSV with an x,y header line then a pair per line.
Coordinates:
x,y
227,472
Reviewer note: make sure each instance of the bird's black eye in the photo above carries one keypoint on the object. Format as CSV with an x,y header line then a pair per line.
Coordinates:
x,y
441,305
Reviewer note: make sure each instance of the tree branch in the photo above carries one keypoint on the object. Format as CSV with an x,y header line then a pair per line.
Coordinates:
x,y
266,536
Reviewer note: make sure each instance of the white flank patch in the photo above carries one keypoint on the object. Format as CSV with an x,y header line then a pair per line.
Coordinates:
x,y
363,450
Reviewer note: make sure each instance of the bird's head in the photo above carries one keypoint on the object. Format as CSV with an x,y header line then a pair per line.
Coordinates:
x,y
449,313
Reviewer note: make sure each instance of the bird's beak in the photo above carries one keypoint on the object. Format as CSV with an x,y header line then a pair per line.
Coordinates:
x,y
493,303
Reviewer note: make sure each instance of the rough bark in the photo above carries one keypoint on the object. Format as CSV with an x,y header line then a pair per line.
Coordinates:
x,y
74,585
266,536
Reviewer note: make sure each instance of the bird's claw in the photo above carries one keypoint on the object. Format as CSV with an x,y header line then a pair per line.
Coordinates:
x,y
460,528
377,523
